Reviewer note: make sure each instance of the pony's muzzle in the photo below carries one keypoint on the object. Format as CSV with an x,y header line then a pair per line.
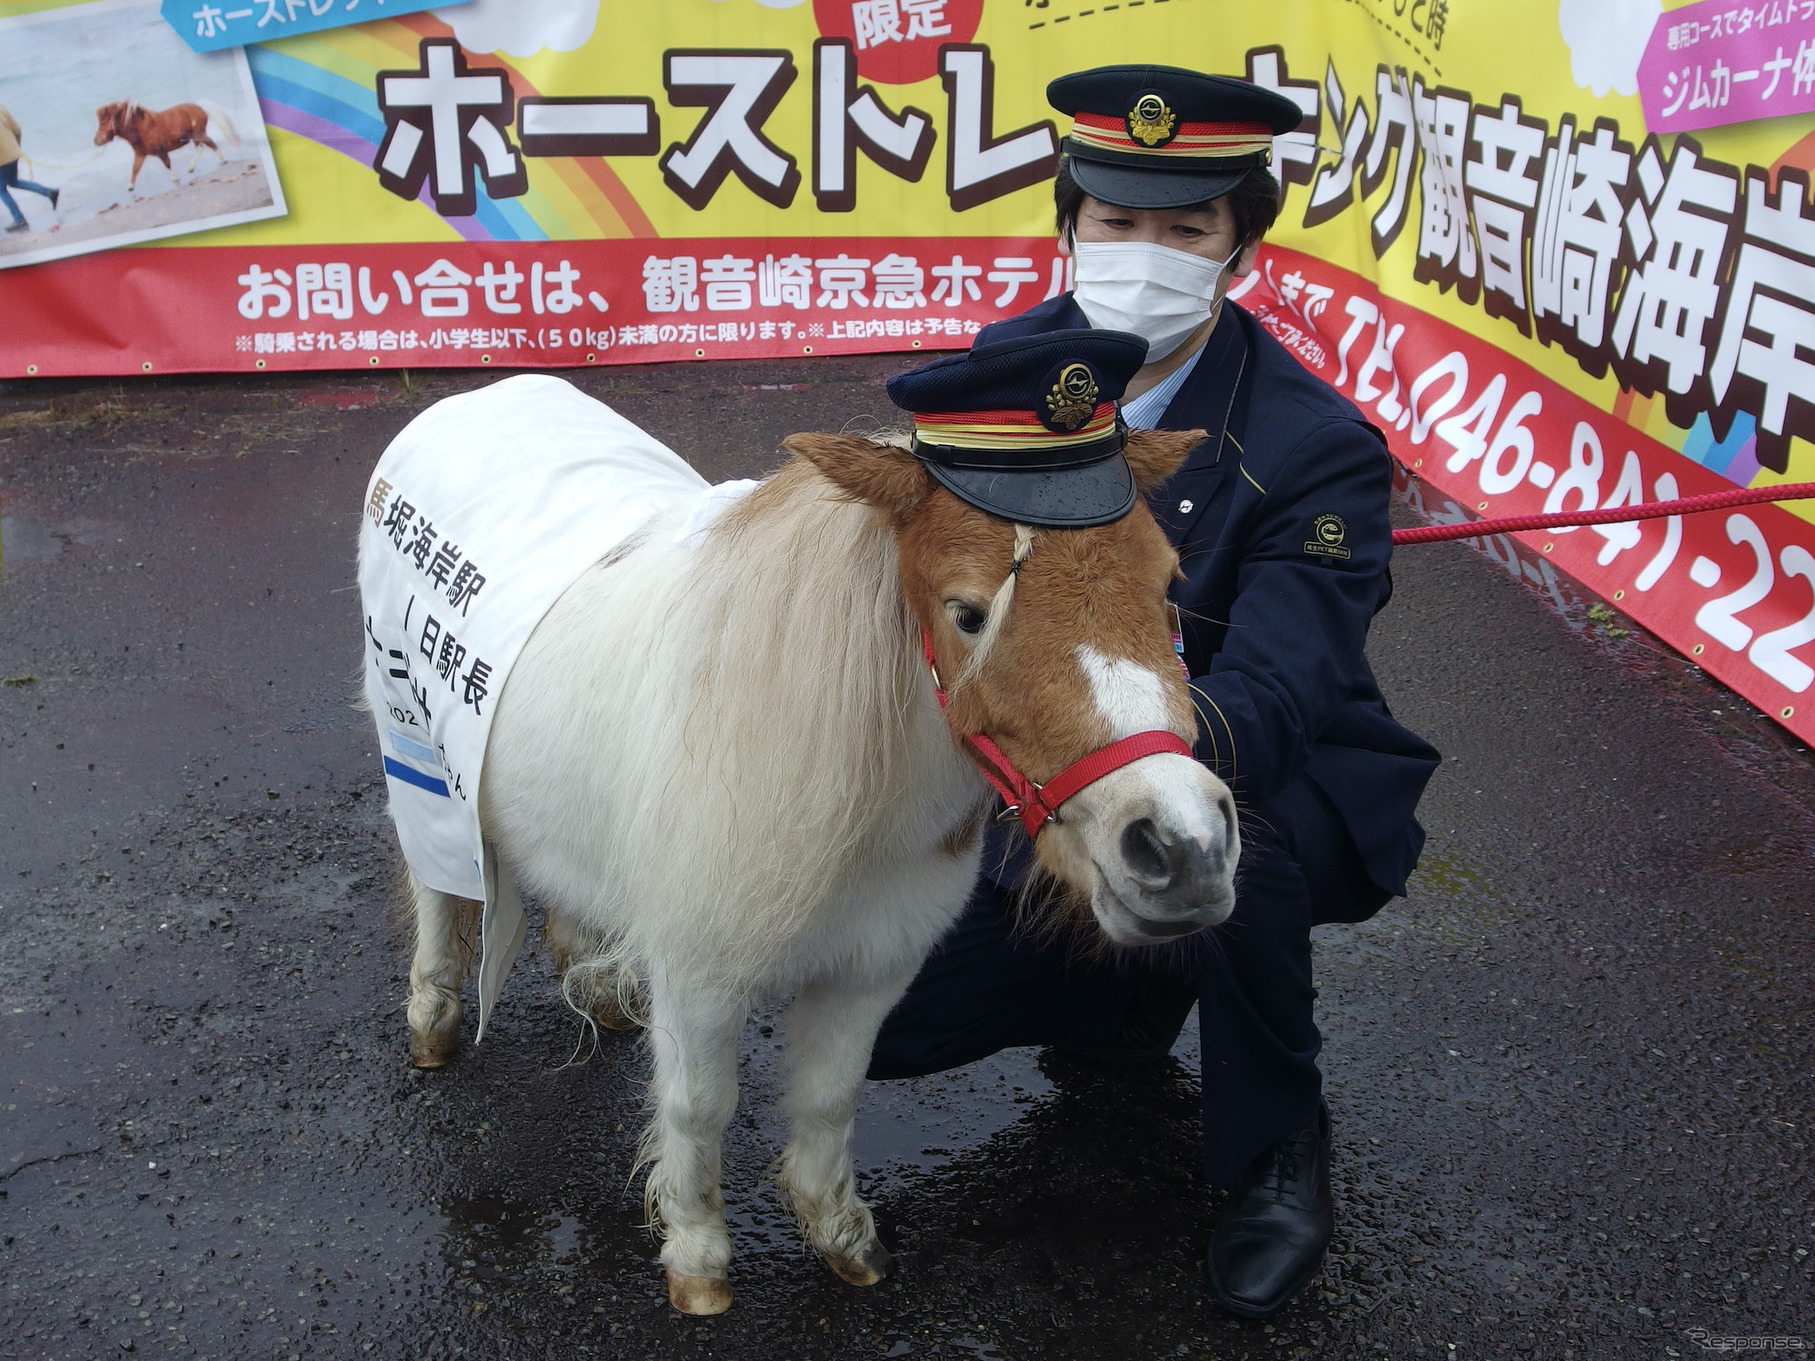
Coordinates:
x,y
1182,875
1162,843
1184,881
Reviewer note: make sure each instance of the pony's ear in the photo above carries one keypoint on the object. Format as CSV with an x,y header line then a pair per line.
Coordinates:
x,y
1155,455
881,475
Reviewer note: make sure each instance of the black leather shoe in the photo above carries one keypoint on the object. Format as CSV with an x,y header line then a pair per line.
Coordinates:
x,y
1273,1235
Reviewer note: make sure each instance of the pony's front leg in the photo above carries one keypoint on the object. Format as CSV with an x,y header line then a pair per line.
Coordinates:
x,y
694,1033
831,1029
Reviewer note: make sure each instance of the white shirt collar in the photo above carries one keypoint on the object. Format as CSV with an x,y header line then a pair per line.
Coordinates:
x,y
1146,411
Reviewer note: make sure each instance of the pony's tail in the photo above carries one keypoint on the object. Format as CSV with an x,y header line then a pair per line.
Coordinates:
x,y
217,117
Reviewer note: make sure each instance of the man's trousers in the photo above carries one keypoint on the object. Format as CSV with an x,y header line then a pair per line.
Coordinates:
x,y
997,981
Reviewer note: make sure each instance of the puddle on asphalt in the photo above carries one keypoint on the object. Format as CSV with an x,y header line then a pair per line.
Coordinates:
x,y
24,540
489,1238
905,1130
920,1123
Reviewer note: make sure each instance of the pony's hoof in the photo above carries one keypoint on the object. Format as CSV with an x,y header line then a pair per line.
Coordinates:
x,y
699,1294
434,1049
870,1267
610,1016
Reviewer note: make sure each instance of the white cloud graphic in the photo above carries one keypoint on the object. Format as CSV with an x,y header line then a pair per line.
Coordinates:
x,y
521,27
1606,38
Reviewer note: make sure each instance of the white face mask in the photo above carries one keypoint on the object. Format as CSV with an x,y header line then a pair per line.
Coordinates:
x,y
1159,294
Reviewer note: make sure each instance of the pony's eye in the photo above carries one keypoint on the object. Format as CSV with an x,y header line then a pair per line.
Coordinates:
x,y
968,618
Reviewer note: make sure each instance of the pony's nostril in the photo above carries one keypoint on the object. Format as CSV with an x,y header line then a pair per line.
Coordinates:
x,y
1148,857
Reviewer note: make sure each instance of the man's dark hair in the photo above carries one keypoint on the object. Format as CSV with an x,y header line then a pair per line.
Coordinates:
x,y
1253,203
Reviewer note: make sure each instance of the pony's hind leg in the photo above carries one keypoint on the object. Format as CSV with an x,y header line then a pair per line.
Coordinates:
x,y
593,980
831,1029
446,930
196,147
693,1032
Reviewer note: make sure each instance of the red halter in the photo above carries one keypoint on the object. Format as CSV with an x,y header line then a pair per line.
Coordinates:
x,y
1037,805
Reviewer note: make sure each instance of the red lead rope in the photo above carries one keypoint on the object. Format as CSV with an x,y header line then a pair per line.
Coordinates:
x,y
1688,505
1037,805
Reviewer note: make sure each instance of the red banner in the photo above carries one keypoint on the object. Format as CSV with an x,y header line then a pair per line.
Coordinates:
x,y
1735,590
516,304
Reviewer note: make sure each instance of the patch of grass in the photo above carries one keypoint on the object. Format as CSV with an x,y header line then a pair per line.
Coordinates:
x,y
61,416
20,680
1606,617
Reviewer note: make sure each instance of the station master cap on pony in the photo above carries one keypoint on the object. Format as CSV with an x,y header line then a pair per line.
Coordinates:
x,y
1159,137
1028,429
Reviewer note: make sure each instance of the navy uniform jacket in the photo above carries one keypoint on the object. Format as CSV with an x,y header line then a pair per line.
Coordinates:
x,y
1280,521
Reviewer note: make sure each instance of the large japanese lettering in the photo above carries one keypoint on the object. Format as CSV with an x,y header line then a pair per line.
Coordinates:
x,y
447,122
739,91
1656,266
846,118
980,166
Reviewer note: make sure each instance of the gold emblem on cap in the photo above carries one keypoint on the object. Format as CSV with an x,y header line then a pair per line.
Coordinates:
x,y
1150,122
1073,399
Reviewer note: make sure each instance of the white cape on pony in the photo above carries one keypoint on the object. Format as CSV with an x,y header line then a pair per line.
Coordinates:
x,y
482,511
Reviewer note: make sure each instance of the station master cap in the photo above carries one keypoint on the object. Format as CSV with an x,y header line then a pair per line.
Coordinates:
x,y
1163,137
1027,429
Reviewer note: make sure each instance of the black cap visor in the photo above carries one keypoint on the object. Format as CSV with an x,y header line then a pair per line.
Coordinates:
x,y
1125,186
1059,498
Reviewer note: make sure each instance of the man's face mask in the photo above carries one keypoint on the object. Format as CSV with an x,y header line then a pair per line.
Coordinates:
x,y
1155,292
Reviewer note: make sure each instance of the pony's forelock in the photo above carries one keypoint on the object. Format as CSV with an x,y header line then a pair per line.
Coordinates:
x,y
997,614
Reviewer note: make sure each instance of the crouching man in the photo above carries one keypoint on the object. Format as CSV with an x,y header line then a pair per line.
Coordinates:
x,y
1280,521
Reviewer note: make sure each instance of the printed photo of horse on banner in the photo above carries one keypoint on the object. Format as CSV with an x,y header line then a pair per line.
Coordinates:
x,y
159,133
114,133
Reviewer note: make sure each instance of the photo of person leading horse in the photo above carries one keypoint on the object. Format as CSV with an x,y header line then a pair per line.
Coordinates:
x,y
10,139
128,135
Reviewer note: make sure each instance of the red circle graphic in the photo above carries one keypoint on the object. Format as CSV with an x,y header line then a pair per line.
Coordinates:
x,y
897,42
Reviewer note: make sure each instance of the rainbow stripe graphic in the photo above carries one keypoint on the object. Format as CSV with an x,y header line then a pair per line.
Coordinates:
x,y
322,87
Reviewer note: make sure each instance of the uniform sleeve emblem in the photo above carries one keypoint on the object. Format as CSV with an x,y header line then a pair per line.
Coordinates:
x,y
1327,534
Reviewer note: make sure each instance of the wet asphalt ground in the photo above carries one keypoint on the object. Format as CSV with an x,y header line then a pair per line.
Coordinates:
x,y
1570,1074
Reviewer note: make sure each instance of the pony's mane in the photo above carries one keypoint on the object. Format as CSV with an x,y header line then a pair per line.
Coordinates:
x,y
809,669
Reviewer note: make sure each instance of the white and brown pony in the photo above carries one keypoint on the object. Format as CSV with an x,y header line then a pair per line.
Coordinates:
x,y
156,133
725,773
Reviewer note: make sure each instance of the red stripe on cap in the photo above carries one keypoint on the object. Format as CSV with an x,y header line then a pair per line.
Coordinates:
x,y
1191,141
1015,418
1103,124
